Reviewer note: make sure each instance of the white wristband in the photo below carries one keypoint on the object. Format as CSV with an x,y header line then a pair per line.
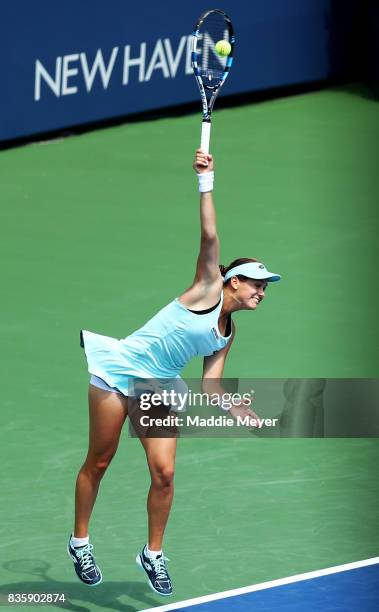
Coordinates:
x,y
206,181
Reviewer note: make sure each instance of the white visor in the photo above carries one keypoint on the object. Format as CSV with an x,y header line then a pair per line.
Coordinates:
x,y
253,269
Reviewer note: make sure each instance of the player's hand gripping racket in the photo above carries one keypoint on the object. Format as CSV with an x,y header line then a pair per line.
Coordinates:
x,y
212,56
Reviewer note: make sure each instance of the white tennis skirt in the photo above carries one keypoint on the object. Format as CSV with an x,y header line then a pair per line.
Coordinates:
x,y
110,371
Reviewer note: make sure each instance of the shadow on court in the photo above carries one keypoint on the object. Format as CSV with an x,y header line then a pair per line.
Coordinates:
x,y
106,595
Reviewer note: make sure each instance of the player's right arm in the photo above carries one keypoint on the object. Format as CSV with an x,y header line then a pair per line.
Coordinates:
x,y
207,283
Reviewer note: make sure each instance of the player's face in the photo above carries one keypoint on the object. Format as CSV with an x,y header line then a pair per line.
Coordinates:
x,y
250,293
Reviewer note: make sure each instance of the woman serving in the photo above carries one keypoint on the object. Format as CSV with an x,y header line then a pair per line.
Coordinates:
x,y
197,323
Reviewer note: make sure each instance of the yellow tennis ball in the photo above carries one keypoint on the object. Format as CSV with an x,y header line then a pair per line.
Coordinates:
x,y
223,48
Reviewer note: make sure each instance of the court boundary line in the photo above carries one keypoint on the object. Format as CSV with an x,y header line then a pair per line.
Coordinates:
x,y
264,585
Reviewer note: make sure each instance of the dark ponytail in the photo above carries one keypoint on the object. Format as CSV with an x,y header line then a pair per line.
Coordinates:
x,y
223,270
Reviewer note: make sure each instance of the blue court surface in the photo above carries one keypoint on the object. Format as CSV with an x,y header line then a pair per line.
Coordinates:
x,y
353,587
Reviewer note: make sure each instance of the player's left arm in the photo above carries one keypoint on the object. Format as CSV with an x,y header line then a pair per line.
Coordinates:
x,y
213,366
213,370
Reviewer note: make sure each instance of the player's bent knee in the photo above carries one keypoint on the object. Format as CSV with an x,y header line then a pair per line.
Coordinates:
x,y
102,464
163,477
97,466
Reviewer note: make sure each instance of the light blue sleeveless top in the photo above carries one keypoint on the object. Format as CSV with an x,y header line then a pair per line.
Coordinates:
x,y
159,349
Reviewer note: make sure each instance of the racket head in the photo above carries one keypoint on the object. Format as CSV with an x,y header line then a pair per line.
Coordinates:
x,y
210,68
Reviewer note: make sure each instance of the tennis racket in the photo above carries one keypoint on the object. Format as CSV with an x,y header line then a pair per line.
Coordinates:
x,y
210,68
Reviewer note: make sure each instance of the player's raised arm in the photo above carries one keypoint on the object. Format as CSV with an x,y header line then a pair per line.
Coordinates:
x,y
207,270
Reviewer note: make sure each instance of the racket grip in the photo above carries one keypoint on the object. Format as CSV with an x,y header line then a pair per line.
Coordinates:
x,y
205,136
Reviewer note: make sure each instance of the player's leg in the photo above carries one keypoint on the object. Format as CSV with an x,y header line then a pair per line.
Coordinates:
x,y
160,454
107,414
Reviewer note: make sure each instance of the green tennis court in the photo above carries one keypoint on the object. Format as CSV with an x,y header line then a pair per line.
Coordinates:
x,y
100,231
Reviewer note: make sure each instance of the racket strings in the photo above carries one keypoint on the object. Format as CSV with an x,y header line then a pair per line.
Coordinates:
x,y
212,65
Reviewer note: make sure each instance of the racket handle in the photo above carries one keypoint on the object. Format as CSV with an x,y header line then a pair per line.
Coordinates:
x,y
205,136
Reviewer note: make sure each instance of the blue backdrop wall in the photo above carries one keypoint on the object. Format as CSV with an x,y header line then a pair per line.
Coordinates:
x,y
80,61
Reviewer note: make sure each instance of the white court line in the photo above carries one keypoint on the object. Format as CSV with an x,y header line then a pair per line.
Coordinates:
x,y
264,585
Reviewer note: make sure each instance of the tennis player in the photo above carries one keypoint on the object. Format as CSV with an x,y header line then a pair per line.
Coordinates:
x,y
197,323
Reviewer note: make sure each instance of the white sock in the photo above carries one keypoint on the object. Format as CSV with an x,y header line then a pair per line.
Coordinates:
x,y
153,554
75,542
